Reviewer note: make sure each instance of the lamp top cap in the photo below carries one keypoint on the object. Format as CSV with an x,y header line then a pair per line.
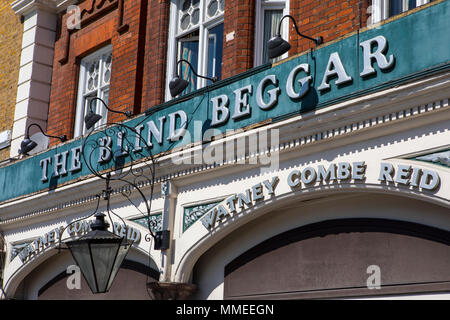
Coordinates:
x,y
99,223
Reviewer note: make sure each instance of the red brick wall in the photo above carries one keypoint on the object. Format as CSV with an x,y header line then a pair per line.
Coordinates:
x,y
126,80
330,19
63,95
155,53
238,53
127,72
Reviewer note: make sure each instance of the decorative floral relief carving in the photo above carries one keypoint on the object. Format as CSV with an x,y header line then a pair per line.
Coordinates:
x,y
16,248
192,214
442,158
155,222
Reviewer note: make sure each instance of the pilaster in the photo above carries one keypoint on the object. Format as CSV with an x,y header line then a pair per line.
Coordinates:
x,y
36,65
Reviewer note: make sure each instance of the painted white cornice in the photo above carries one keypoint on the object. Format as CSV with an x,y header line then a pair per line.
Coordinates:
x,y
63,4
24,7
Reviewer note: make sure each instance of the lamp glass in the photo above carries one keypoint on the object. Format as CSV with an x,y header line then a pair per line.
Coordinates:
x,y
103,259
81,254
123,250
99,254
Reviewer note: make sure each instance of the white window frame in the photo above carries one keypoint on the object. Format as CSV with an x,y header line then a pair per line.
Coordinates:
x,y
173,50
380,9
81,110
261,6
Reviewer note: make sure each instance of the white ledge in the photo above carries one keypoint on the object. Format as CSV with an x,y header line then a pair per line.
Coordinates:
x,y
24,7
5,139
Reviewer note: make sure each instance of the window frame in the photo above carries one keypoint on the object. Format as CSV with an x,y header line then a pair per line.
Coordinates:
x,y
174,50
260,7
380,9
79,127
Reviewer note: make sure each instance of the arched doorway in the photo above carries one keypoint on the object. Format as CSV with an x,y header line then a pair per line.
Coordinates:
x,y
54,279
343,258
220,269
129,284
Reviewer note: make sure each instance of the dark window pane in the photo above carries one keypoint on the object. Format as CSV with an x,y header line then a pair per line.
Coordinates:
x,y
196,16
186,5
212,8
215,46
271,20
185,20
395,7
189,52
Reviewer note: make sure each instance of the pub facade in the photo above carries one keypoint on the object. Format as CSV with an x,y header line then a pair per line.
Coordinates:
x,y
322,172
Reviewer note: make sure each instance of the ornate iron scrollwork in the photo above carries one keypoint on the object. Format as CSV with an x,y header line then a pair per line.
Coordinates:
x,y
129,165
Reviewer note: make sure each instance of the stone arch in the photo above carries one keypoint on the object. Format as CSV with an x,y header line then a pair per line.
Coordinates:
x,y
332,258
183,270
33,277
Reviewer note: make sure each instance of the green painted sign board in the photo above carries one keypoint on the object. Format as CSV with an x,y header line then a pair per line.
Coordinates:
x,y
419,42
